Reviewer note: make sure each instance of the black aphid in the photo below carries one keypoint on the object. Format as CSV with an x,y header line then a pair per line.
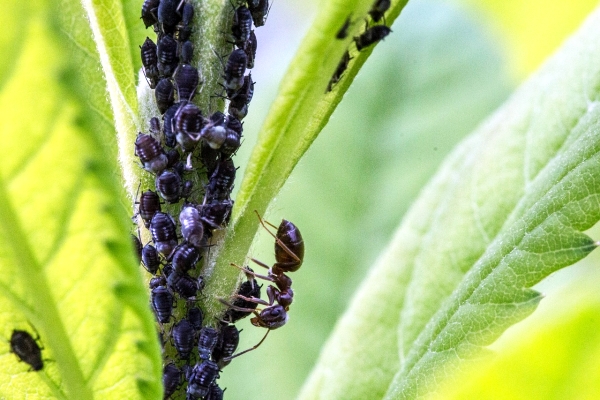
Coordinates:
x,y
168,17
241,27
371,36
150,259
167,55
220,183
207,341
339,71
238,106
163,233
187,189
137,246
192,229
183,338
155,126
195,317
170,140
183,284
149,205
186,52
343,32
229,338
187,125
168,185
150,152
27,349
150,12
378,9
164,94
168,271
249,288
162,302
187,14
171,379
200,378
156,282
259,10
250,49
185,257
186,78
216,215
174,157
235,69
150,62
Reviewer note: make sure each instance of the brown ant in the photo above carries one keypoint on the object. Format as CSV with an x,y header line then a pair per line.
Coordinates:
x,y
289,254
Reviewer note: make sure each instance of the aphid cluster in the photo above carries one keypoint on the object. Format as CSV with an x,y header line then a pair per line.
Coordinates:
x,y
370,36
183,146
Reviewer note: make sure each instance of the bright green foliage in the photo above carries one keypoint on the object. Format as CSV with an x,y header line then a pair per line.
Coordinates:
x,y
505,210
67,266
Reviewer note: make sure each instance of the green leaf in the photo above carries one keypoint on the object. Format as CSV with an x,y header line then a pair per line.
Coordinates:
x,y
68,271
505,210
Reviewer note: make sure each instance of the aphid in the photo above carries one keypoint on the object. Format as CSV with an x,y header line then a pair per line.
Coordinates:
x,y
249,289
238,106
235,124
195,317
168,271
339,71
186,52
235,69
200,378
192,229
220,183
250,49
27,349
343,32
185,257
168,17
242,24
259,10
156,282
155,126
167,55
170,140
208,157
137,245
163,233
378,9
183,338
164,94
186,79
186,191
162,302
150,259
150,61
207,341
214,134
229,338
371,36
168,185
187,15
183,284
149,205
150,152
214,392
171,379
216,215
187,125
149,12
174,157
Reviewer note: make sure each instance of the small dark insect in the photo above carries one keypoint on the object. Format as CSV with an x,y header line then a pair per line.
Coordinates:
x,y
183,338
235,124
378,9
187,125
371,36
150,259
220,183
149,205
27,349
150,62
200,378
156,282
155,126
195,317
164,94
168,17
207,341
183,284
214,134
235,69
185,257
250,49
187,15
216,215
238,106
167,55
186,191
171,379
170,140
192,229
174,157
150,152
168,185
242,24
339,71
250,289
163,233
259,10
186,52
229,338
186,79
162,302
149,12
343,32
208,157
168,271
137,245
214,392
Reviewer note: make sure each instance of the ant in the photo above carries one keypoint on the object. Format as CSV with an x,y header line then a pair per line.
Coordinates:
x,y
289,255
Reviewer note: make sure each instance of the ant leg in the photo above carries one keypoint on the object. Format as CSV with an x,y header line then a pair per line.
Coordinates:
x,y
260,263
236,308
226,359
245,271
254,300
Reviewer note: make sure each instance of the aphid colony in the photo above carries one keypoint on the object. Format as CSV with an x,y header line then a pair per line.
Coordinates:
x,y
185,145
370,36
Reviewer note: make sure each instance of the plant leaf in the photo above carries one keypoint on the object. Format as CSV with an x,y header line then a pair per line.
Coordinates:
x,y
506,209
66,261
